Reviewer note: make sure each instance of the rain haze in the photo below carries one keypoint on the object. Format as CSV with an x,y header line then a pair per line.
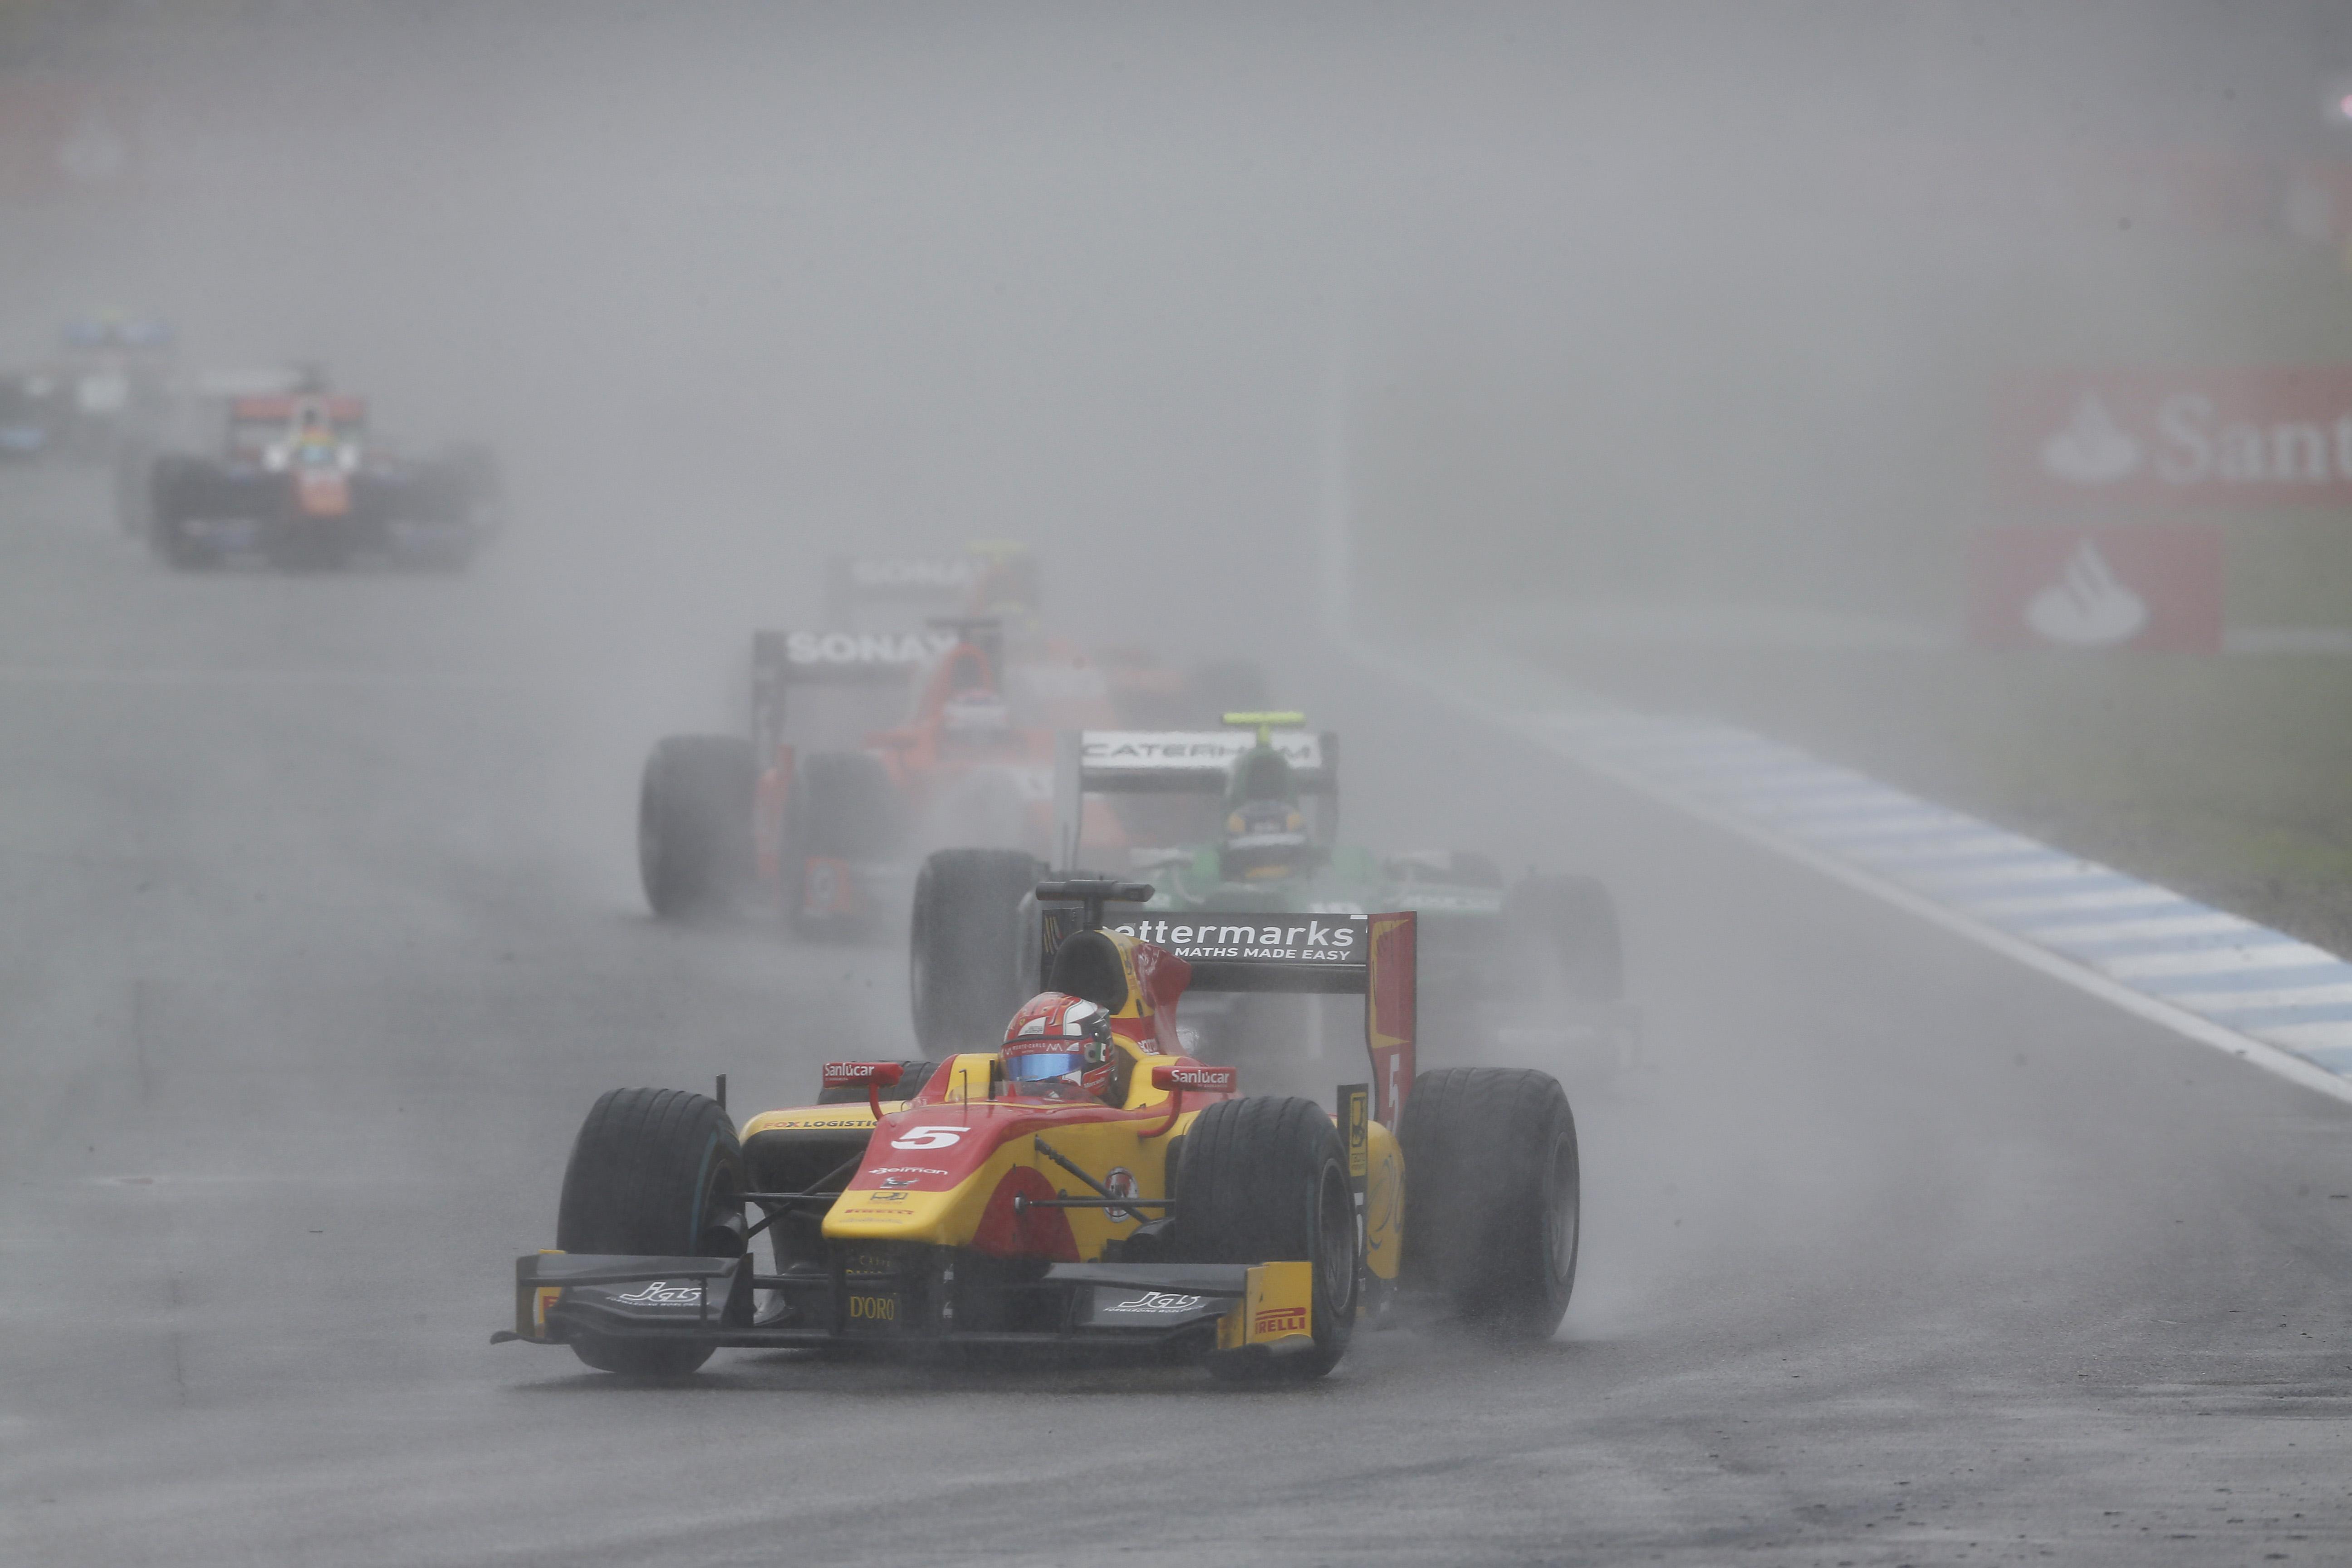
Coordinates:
x,y
1822,534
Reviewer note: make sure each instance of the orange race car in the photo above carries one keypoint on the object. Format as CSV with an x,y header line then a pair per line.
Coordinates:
x,y
872,745
826,835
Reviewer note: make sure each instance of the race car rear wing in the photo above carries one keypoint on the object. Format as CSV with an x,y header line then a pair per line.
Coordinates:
x,y
259,381
936,582
987,578
1173,762
1372,956
781,660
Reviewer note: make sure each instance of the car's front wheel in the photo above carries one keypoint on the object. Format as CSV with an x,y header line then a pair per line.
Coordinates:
x,y
654,1174
1265,1179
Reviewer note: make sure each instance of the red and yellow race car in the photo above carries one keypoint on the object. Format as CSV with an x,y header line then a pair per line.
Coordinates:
x,y
1151,1205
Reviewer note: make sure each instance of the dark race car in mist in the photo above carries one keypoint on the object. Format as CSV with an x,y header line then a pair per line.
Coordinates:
x,y
296,476
1143,1206
1239,832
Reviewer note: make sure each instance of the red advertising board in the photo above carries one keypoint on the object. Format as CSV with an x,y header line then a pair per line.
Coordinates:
x,y
2140,586
2265,436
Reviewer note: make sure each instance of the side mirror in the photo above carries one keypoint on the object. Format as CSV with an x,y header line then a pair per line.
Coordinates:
x,y
1178,1079
875,1076
1183,1078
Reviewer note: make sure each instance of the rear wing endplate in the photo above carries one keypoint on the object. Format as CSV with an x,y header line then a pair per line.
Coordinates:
x,y
1372,956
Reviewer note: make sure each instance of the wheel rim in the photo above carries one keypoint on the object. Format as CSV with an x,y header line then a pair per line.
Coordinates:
x,y
918,978
718,1200
649,844
1335,1243
1559,1220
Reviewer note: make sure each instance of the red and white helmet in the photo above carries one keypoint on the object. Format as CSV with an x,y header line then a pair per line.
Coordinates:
x,y
1057,1046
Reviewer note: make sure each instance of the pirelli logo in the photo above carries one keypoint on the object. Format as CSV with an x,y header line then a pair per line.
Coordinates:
x,y
1279,1320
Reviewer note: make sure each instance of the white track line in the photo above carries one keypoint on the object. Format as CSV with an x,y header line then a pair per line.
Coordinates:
x,y
2041,873
2143,896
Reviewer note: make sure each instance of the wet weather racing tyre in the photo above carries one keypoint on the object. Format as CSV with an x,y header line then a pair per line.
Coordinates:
x,y
964,956
652,1174
172,487
1265,1179
694,824
1574,920
1491,1211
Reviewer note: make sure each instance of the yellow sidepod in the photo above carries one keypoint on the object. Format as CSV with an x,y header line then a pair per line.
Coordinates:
x,y
1383,1202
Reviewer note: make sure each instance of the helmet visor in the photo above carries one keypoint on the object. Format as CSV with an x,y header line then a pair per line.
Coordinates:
x,y
1026,1066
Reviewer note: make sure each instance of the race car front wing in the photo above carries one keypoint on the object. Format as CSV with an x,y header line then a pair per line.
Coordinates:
x,y
911,1300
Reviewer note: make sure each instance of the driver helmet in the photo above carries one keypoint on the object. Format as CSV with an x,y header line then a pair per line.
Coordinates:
x,y
1057,1046
1265,832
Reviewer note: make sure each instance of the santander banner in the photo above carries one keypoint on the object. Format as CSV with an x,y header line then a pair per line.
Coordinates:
x,y
2269,436
2140,586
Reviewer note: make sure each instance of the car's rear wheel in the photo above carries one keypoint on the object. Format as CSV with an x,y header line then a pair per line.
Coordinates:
x,y
171,493
1492,1204
1265,1179
694,824
964,955
654,1174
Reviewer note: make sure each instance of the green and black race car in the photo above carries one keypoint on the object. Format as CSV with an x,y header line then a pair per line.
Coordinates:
x,y
1237,830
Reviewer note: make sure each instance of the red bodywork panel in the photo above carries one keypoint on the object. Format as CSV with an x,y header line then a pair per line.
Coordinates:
x,y
319,493
940,1140
924,757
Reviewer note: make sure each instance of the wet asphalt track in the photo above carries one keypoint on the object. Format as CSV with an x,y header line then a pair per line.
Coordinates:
x,y
319,940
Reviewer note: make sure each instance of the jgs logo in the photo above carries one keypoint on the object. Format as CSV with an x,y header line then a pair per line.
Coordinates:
x,y
662,1293
1156,1302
